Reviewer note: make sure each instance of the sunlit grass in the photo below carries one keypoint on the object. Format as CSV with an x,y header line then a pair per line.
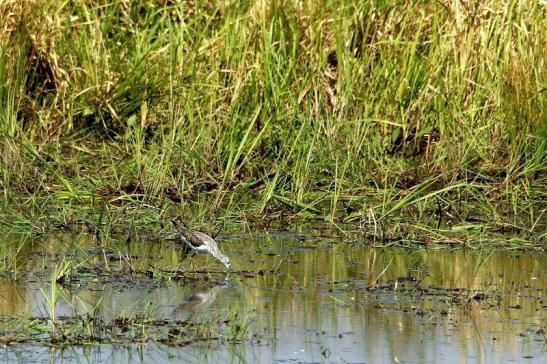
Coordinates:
x,y
371,112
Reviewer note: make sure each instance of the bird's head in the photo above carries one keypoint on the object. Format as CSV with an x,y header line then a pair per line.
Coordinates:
x,y
177,221
226,261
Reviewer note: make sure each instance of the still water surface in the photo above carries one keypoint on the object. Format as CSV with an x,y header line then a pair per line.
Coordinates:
x,y
319,299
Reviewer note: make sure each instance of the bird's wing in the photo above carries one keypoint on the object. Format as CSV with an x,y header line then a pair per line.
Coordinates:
x,y
204,238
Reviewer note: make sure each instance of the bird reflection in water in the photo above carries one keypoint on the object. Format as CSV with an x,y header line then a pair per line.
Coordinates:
x,y
198,301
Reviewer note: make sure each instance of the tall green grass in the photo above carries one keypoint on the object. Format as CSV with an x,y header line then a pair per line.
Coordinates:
x,y
337,109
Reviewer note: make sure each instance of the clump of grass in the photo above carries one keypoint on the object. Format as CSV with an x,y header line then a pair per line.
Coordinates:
x,y
341,111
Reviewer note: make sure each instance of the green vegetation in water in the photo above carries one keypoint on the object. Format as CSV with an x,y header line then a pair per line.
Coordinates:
x,y
158,299
419,122
120,267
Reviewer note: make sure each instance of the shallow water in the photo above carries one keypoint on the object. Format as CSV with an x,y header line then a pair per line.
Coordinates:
x,y
301,297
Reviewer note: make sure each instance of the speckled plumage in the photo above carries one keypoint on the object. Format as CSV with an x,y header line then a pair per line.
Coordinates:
x,y
200,242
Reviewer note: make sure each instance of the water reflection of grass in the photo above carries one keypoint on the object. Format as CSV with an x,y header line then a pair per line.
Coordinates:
x,y
327,289
83,317
459,276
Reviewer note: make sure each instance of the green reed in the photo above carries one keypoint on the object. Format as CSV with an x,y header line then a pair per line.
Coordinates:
x,y
342,111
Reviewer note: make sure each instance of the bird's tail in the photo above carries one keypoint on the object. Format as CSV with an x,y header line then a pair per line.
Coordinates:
x,y
183,232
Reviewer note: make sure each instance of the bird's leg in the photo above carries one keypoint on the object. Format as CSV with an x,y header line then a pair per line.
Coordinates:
x,y
191,256
219,230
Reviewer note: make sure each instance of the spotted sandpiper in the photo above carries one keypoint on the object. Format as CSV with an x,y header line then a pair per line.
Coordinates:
x,y
199,242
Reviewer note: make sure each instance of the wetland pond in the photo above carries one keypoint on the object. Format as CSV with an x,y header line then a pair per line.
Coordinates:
x,y
303,297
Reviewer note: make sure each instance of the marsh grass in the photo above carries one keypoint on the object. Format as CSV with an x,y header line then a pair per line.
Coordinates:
x,y
423,113
348,274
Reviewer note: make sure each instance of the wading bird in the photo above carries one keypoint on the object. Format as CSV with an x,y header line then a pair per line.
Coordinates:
x,y
199,242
